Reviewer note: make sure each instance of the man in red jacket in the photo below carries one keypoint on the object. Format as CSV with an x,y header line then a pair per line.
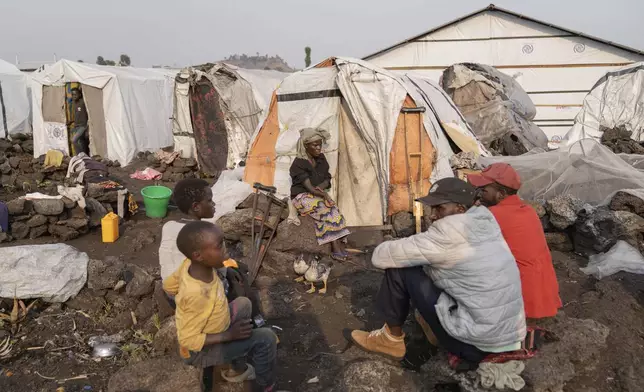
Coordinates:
x,y
522,230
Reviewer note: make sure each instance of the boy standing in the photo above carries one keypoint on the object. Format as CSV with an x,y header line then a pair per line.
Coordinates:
x,y
209,329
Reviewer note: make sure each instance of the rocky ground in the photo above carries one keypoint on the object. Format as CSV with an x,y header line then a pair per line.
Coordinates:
x,y
600,329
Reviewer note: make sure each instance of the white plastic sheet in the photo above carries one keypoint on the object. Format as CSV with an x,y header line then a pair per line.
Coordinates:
x,y
228,192
54,272
621,257
586,170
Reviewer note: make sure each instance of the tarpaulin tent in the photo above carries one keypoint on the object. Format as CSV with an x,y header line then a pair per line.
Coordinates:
x,y
367,111
217,109
130,109
616,100
14,102
496,107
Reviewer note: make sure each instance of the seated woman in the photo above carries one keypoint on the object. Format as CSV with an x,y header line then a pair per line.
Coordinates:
x,y
310,181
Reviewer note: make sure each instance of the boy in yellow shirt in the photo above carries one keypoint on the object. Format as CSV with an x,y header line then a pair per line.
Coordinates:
x,y
210,330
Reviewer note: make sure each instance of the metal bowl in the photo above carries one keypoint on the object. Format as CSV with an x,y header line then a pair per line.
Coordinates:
x,y
105,350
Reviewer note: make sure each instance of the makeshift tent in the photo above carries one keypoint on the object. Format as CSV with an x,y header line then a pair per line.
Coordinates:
x,y
616,100
496,107
14,102
375,135
130,109
554,64
217,109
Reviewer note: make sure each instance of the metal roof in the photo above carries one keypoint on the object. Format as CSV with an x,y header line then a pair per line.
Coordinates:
x,y
492,7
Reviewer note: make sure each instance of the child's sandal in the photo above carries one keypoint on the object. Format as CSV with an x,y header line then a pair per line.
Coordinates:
x,y
248,375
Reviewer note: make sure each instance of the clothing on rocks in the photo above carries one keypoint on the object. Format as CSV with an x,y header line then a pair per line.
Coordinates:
x,y
466,256
302,169
329,222
4,218
54,158
310,135
147,174
73,193
401,286
261,347
502,375
167,157
523,233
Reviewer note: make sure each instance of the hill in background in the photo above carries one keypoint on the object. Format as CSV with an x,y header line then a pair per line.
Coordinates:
x,y
274,63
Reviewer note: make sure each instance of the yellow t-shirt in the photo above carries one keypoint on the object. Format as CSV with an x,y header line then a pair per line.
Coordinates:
x,y
202,308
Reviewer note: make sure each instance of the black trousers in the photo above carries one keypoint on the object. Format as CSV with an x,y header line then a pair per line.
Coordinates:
x,y
403,286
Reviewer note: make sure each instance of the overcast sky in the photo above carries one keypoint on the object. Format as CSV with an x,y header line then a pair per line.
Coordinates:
x,y
195,31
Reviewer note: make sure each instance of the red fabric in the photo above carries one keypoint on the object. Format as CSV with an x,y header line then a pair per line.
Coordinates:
x,y
523,232
501,173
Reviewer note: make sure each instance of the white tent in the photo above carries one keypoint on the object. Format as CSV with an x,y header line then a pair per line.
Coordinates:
x,y
374,117
244,95
130,109
556,66
14,102
616,100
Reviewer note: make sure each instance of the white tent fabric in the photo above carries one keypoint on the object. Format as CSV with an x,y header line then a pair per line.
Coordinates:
x,y
374,97
616,100
245,95
14,103
554,65
137,105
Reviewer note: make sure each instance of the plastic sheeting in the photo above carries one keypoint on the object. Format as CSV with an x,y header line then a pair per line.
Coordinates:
x,y
494,104
621,257
616,100
14,90
228,192
586,170
244,98
137,105
53,272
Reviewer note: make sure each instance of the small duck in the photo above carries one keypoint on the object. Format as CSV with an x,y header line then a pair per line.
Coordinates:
x,y
300,266
317,272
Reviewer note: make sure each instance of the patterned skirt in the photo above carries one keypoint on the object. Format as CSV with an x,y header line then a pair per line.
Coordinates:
x,y
329,222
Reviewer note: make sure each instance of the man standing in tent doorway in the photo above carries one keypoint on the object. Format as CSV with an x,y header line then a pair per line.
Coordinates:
x,y
80,136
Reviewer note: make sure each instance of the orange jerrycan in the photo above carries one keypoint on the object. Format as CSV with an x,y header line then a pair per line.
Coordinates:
x,y
110,227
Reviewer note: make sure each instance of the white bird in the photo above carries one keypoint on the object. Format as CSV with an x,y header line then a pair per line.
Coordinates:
x,y
300,266
317,272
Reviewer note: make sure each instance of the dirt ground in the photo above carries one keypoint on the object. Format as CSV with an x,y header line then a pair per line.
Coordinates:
x,y
52,344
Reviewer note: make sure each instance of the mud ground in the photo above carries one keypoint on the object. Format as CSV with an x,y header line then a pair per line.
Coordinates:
x,y
52,349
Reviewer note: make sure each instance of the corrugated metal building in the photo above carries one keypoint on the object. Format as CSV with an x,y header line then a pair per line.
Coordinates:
x,y
556,66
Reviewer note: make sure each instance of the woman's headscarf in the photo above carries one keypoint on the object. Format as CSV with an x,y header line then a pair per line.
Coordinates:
x,y
310,135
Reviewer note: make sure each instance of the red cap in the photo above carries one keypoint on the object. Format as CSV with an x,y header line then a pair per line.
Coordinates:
x,y
501,173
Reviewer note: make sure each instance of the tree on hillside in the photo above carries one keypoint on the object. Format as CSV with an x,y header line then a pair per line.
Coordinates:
x,y
110,62
307,59
125,60
80,61
100,60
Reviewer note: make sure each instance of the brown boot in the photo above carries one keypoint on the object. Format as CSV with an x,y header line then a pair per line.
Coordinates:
x,y
380,341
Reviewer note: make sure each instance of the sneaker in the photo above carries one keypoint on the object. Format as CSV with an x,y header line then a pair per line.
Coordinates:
x,y
380,341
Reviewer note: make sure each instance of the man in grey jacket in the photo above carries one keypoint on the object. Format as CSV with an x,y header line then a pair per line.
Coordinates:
x,y
459,274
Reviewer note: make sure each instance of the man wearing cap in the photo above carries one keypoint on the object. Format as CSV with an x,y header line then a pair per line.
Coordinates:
x,y
522,230
459,274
